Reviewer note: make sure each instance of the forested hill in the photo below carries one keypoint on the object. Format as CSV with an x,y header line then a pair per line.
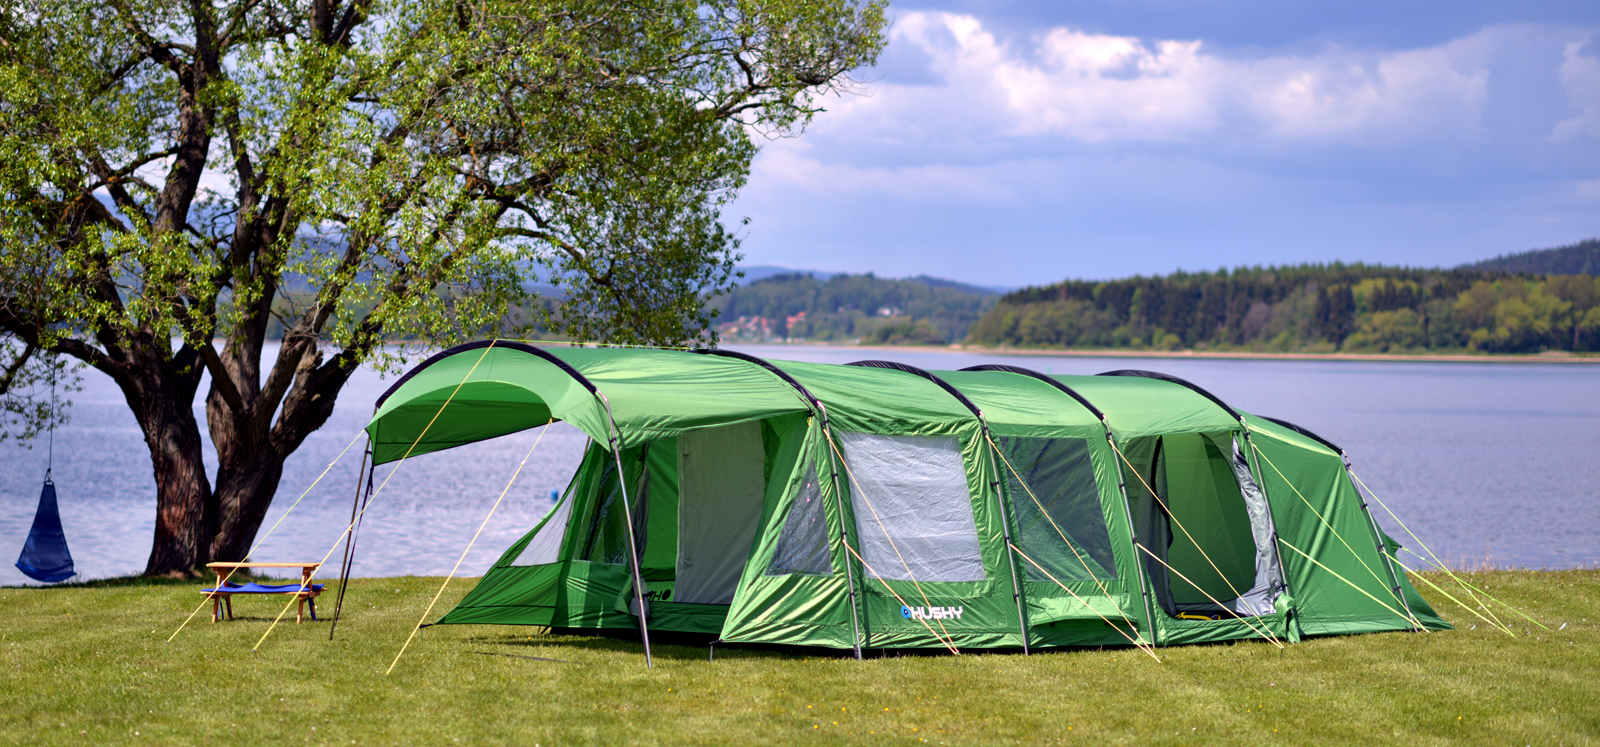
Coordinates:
x,y
1582,258
1306,308
865,308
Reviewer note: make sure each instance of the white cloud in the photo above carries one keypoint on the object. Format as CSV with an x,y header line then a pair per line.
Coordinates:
x,y
1084,87
1580,75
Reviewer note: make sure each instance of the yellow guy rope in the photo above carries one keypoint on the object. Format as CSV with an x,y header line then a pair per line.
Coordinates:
x,y
868,501
1336,575
1469,587
1392,592
1492,623
875,574
306,580
1147,649
1196,543
1052,520
1265,635
263,538
463,557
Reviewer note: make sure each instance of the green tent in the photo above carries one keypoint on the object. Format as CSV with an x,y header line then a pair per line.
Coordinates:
x,y
877,505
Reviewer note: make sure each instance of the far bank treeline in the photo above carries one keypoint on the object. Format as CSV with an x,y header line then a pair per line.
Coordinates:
x,y
1306,308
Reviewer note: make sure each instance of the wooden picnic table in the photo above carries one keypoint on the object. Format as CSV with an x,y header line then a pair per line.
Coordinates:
x,y
221,600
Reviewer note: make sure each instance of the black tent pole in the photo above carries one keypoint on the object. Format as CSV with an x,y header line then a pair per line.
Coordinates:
x,y
349,538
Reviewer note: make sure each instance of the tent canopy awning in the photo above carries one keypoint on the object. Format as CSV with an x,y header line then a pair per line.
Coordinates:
x,y
499,387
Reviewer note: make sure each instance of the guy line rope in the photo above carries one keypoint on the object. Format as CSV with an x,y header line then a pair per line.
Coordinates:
x,y
263,538
470,543
852,477
1436,561
1492,623
1142,647
1411,618
902,601
1070,546
1267,632
307,579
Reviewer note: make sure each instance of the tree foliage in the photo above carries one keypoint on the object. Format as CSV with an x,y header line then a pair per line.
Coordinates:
x,y
178,176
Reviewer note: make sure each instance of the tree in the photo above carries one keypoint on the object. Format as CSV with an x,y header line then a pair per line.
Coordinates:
x,y
182,174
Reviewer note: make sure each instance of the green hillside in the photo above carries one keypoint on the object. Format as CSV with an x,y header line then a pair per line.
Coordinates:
x,y
865,308
1582,258
1306,308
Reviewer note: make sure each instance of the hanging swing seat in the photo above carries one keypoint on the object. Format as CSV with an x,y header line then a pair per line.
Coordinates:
x,y
45,556
221,594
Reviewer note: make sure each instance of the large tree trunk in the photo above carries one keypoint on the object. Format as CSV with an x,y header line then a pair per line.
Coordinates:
x,y
161,400
251,447
246,484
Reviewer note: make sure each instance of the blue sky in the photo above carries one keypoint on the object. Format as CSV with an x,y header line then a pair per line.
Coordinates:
x,y
1012,143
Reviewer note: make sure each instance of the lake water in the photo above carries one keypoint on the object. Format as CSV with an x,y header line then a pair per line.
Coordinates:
x,y
1487,463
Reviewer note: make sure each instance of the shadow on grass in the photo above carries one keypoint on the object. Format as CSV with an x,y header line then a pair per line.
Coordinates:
x,y
117,582
672,646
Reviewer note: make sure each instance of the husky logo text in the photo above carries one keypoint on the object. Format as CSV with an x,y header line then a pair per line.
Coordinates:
x,y
931,613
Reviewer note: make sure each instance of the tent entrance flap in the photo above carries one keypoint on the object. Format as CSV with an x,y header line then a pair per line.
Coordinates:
x,y
721,479
1210,526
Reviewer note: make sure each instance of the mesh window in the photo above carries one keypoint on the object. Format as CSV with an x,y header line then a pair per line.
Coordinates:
x,y
803,546
1064,501
913,508
605,537
545,547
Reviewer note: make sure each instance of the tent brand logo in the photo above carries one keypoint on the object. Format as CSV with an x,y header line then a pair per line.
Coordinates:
x,y
931,613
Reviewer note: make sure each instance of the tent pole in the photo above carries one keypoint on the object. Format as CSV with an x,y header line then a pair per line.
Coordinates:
x,y
849,566
1138,563
633,547
1006,515
349,539
1383,552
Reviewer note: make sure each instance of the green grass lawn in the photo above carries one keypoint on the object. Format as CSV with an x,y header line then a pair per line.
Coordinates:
x,y
91,664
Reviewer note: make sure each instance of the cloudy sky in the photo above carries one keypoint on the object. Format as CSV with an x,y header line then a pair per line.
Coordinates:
x,y
1013,142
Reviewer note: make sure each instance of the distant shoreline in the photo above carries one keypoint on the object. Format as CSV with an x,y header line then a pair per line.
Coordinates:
x,y
1218,355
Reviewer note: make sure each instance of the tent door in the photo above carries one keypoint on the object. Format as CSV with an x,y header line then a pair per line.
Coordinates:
x,y
721,479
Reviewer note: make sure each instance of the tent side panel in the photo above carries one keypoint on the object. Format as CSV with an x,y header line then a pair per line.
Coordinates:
x,y
904,608
1083,614
588,598
524,595
1317,512
792,608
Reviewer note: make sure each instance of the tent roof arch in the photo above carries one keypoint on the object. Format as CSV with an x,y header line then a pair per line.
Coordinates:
x,y
1149,406
1180,382
1303,432
875,400
479,391
914,371
1053,383
1020,405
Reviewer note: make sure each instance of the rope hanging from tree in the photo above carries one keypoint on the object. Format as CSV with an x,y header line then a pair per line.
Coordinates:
x,y
45,556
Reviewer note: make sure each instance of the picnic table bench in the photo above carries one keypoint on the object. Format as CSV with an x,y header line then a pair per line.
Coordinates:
x,y
221,595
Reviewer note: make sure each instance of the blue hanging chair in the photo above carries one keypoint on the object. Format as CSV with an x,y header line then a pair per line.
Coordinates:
x,y
45,556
